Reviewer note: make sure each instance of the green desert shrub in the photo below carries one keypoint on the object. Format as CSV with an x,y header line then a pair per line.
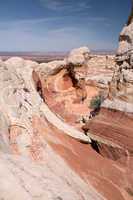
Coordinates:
x,y
96,102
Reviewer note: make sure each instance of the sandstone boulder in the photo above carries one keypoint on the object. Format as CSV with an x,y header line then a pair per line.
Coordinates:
x,y
78,56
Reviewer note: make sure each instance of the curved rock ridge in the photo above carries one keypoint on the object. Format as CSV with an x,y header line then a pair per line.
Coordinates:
x,y
53,67
19,103
69,130
20,100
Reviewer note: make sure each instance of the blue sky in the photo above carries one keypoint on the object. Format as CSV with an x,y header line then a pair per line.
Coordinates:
x,y
60,25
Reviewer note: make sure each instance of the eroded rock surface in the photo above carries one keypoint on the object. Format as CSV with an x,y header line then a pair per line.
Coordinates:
x,y
112,129
44,154
121,86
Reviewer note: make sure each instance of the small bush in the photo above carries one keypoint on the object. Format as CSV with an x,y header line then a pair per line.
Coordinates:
x,y
96,102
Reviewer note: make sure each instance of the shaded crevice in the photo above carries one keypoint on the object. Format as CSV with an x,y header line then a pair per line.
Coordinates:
x,y
71,74
78,84
38,84
107,151
125,38
95,146
39,89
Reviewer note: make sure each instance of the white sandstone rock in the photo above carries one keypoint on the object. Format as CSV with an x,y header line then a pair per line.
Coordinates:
x,y
53,67
78,56
16,62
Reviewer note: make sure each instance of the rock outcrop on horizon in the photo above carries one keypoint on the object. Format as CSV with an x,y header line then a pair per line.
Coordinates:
x,y
78,57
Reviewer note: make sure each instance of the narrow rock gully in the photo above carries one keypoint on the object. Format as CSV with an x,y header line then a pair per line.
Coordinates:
x,y
98,144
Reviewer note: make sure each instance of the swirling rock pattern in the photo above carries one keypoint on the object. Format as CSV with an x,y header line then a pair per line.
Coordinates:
x,y
42,156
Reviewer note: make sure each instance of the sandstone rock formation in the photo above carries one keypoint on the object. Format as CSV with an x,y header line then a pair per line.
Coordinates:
x,y
100,71
112,129
102,62
44,154
78,56
20,109
121,86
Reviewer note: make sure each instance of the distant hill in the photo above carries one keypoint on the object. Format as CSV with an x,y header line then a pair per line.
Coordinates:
x,y
47,56
35,56
104,52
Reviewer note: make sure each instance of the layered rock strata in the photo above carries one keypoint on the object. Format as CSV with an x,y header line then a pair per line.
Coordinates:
x,y
112,129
